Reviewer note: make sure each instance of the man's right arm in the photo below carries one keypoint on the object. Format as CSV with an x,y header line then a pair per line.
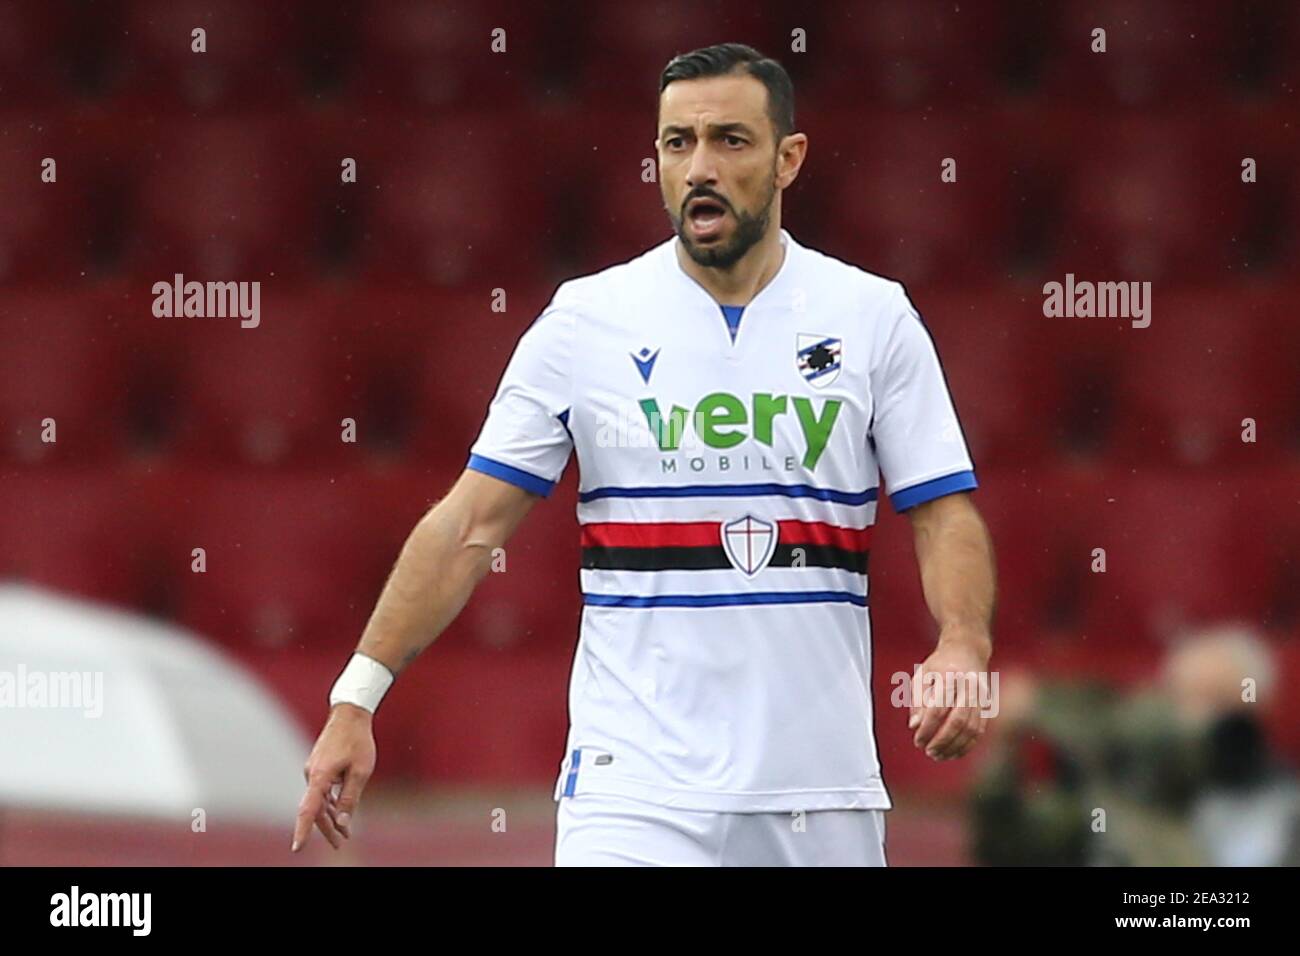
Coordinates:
x,y
444,557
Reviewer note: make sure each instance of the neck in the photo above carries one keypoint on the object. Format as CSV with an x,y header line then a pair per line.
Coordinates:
x,y
744,280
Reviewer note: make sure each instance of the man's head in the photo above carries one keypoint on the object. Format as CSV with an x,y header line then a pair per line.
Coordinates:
x,y
726,146
1204,672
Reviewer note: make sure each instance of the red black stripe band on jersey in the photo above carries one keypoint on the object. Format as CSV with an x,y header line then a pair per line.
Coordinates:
x,y
697,546
704,559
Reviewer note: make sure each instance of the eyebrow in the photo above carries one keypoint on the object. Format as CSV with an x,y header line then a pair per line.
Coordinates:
x,y
738,127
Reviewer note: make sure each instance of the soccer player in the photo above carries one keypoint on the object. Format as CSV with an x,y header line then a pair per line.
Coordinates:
x,y
733,397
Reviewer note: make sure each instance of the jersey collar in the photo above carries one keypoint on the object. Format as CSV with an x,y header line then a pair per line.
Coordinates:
x,y
669,257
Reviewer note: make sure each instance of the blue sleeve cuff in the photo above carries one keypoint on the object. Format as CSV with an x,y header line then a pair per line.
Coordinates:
x,y
934,488
516,476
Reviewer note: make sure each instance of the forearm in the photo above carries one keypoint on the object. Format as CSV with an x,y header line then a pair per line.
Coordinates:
x,y
440,564
955,554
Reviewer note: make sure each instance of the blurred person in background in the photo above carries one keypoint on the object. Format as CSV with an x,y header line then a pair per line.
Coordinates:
x,y
1028,805
1247,809
1176,773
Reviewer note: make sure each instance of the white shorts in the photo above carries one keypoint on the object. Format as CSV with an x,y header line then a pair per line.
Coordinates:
x,y
596,829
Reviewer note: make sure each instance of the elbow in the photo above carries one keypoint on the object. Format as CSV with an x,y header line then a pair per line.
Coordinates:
x,y
950,517
456,529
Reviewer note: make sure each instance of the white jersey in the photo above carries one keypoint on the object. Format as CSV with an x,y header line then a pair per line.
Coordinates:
x,y
729,474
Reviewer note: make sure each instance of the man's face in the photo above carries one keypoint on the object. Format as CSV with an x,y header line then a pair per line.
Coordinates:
x,y
717,165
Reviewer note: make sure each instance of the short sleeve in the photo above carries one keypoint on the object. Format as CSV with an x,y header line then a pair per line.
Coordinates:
x,y
915,431
525,439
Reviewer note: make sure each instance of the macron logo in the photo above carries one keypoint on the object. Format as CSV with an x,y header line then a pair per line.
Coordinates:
x,y
645,363
102,909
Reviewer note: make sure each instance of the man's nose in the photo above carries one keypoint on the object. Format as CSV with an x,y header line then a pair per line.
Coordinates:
x,y
702,168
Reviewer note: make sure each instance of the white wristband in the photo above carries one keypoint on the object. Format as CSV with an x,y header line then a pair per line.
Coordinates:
x,y
364,682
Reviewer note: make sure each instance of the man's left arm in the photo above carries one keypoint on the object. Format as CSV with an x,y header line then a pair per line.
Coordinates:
x,y
954,552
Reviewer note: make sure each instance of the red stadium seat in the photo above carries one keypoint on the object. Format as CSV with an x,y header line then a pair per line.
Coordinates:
x,y
449,202
1152,201
482,716
78,531
45,230
62,357
293,560
437,356
440,56
274,394
249,57
1206,363
1041,519
227,199
624,47
1261,130
900,622
1159,52
1285,46
1171,555
30,33
1011,502
1029,602
905,53
1281,716
1053,611
1278,353
1027,386
461,715
392,500
887,209
1015,376
622,214
1264,541
1289,253
298,560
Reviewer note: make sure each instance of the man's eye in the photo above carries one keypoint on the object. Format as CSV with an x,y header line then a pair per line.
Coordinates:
x,y
674,142
734,141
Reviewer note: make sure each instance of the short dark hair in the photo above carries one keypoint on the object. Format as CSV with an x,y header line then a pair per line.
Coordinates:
x,y
725,58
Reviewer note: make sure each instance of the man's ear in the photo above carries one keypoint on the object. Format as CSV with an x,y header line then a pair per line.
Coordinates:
x,y
801,155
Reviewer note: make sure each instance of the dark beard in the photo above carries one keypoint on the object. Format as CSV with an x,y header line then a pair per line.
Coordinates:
x,y
749,230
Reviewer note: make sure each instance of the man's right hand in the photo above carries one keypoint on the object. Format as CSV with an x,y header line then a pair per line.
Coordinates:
x,y
444,557
344,757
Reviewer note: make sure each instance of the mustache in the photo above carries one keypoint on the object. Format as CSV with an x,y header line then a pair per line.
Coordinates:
x,y
704,195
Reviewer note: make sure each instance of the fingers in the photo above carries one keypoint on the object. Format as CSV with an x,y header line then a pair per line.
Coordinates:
x,y
310,807
932,719
350,798
332,808
950,727
325,823
319,807
953,721
959,733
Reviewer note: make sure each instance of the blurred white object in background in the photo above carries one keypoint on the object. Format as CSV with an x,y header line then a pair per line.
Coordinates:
x,y
105,711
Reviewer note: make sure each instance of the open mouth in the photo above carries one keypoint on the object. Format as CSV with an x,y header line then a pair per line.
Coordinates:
x,y
705,216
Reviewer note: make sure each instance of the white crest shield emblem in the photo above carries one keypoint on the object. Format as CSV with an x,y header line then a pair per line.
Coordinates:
x,y
817,358
749,543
